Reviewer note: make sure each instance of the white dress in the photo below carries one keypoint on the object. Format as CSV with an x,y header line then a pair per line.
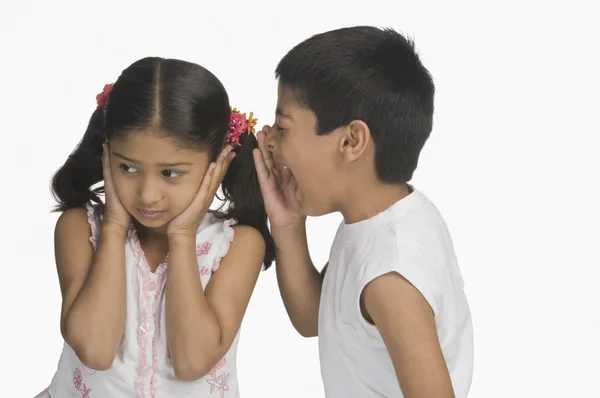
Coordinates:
x,y
142,367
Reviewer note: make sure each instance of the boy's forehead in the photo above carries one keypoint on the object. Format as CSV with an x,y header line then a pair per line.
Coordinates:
x,y
286,97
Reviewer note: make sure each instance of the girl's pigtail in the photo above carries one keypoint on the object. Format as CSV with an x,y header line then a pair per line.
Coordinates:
x,y
241,187
72,184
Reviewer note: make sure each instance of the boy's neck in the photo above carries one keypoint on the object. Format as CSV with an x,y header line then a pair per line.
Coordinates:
x,y
367,200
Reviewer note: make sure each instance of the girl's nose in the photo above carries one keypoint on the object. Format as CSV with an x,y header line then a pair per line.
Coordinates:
x,y
149,192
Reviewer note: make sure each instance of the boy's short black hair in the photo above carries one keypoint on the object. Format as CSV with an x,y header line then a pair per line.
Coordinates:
x,y
369,74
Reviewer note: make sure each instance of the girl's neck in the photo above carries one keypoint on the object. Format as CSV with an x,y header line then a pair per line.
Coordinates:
x,y
154,243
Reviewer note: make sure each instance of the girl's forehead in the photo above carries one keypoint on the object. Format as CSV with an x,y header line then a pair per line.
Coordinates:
x,y
154,146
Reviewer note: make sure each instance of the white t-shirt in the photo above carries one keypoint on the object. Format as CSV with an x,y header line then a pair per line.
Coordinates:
x,y
410,238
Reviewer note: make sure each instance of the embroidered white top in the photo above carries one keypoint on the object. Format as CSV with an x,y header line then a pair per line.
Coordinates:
x,y
142,367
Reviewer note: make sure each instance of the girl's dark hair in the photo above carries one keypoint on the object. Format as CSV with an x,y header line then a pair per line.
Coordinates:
x,y
185,100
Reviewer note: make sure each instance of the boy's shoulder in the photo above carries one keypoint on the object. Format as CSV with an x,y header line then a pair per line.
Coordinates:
x,y
412,224
410,239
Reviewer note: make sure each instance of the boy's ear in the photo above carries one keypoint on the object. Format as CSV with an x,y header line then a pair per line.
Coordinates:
x,y
355,140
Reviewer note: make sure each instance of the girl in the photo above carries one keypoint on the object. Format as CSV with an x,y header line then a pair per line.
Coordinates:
x,y
155,285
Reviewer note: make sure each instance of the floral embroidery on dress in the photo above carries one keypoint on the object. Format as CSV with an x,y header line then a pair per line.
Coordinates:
x,y
79,385
203,248
218,382
205,271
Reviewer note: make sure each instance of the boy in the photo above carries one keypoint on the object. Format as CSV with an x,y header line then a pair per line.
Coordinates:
x,y
354,109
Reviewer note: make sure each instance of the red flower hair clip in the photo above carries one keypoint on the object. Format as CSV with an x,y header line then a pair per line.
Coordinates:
x,y
238,125
103,96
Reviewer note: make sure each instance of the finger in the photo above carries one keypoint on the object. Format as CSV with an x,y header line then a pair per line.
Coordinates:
x,y
224,152
262,145
222,164
262,171
268,181
106,163
224,167
204,189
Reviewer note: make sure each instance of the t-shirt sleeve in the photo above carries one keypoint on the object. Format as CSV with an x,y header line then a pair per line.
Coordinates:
x,y
410,262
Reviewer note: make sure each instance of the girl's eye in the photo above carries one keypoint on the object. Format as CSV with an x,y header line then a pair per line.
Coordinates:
x,y
128,169
171,173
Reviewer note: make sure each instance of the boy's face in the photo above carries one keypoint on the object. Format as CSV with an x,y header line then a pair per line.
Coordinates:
x,y
155,177
312,159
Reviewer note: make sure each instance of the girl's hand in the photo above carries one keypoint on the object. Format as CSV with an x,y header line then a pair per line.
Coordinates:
x,y
188,222
114,213
278,187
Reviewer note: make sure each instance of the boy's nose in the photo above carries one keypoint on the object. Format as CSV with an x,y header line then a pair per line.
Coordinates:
x,y
269,138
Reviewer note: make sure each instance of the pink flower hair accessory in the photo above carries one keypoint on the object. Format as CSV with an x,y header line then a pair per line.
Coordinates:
x,y
238,125
103,96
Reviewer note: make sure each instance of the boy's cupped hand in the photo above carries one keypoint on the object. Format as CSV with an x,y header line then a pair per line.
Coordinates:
x,y
278,187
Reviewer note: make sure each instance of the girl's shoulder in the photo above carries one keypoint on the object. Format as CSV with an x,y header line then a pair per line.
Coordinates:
x,y
72,222
214,238
94,213
215,227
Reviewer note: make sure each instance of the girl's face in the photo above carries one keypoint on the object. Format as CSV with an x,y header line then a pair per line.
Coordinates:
x,y
155,176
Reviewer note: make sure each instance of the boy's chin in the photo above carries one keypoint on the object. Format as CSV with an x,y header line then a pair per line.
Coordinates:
x,y
313,209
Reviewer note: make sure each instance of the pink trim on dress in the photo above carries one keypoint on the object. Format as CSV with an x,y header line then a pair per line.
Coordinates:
x,y
92,221
159,283
217,382
145,369
225,242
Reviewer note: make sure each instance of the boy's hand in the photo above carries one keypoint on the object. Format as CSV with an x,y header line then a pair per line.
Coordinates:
x,y
188,222
278,187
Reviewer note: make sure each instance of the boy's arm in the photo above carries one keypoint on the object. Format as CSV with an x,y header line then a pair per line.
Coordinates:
x,y
299,281
406,323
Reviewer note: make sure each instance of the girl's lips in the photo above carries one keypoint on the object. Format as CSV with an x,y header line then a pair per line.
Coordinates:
x,y
150,213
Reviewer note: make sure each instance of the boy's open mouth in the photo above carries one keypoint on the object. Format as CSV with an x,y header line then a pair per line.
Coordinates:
x,y
295,188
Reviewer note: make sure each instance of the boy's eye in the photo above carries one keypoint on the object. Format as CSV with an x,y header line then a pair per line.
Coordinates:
x,y
128,169
171,173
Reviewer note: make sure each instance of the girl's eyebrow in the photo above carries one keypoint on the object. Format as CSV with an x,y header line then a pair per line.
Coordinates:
x,y
174,164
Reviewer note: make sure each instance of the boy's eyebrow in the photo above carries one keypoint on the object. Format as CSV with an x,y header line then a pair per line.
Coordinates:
x,y
278,112
158,164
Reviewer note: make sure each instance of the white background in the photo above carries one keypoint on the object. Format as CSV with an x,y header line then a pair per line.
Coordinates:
x,y
512,164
